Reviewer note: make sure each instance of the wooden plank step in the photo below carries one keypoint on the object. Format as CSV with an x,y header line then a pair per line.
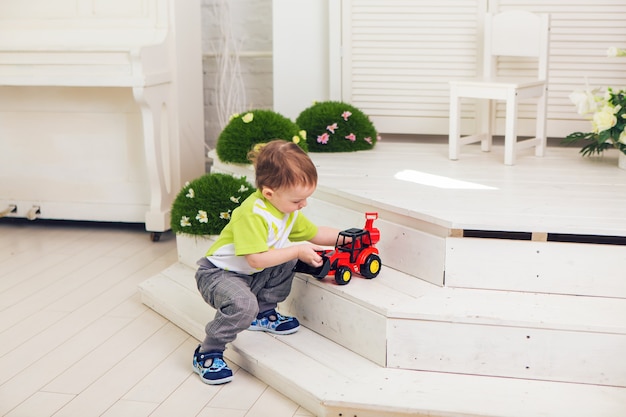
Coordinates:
x,y
415,325
536,266
396,295
330,380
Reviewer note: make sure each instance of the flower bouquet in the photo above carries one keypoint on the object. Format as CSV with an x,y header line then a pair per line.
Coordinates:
x,y
607,112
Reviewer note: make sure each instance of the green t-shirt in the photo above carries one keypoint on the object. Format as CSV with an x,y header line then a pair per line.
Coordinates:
x,y
257,226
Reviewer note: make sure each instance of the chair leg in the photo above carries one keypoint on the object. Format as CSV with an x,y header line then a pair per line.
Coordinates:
x,y
541,124
454,126
510,139
487,120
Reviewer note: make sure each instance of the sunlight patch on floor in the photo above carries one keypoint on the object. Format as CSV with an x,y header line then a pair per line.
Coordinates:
x,y
438,181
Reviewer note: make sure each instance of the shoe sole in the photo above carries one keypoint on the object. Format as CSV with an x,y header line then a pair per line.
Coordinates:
x,y
212,381
279,332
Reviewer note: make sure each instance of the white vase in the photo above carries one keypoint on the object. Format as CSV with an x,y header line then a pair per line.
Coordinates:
x,y
191,248
621,160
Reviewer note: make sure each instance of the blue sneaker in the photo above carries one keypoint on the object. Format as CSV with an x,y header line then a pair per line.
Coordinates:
x,y
216,373
274,322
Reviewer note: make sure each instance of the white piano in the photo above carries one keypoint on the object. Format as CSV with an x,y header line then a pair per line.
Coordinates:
x,y
101,108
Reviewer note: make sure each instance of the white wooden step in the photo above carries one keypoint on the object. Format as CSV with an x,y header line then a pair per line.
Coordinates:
x,y
330,380
442,256
536,266
400,322
397,321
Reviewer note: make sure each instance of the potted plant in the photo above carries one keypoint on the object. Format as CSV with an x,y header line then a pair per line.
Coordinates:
x,y
606,110
202,209
334,126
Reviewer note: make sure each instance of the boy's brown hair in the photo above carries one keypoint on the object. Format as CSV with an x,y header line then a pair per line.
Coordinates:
x,y
281,164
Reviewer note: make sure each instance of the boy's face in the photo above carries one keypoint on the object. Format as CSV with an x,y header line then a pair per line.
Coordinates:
x,y
288,200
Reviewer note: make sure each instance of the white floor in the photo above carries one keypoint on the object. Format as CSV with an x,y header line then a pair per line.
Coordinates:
x,y
75,339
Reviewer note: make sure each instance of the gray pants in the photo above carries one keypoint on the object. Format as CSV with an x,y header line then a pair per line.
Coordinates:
x,y
238,298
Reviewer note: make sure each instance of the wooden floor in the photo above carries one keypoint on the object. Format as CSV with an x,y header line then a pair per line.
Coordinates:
x,y
75,339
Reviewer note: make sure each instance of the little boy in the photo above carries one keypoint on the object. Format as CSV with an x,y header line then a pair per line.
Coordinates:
x,y
250,268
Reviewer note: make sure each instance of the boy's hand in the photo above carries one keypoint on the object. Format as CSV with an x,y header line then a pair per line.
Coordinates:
x,y
309,254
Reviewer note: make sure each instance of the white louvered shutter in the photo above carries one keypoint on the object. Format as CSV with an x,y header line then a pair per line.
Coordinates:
x,y
398,56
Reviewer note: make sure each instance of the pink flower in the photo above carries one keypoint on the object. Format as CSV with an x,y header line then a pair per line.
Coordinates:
x,y
323,138
368,140
331,128
346,114
351,137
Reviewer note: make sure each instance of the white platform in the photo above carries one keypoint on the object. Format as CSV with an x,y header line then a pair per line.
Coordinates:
x,y
454,325
561,192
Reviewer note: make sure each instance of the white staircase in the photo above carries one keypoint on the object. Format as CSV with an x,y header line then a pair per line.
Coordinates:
x,y
452,326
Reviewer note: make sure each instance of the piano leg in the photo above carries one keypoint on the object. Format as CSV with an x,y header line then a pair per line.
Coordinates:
x,y
160,151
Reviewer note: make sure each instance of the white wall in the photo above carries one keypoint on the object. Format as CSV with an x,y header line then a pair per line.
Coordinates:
x,y
251,24
305,59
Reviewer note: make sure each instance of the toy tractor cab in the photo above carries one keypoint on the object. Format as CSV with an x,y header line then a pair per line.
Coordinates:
x,y
354,253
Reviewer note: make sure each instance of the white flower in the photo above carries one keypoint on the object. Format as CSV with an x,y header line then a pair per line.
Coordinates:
x,y
586,101
614,52
190,193
242,189
235,199
225,215
605,118
202,216
607,112
184,221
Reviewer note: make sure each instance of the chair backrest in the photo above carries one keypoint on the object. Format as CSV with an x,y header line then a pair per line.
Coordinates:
x,y
516,33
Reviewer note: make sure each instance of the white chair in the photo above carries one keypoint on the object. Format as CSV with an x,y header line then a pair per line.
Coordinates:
x,y
507,34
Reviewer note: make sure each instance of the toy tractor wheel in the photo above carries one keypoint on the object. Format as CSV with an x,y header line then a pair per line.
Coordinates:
x,y
343,275
371,266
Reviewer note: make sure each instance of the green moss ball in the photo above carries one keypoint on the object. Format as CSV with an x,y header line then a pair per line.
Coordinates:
x,y
333,126
204,205
256,126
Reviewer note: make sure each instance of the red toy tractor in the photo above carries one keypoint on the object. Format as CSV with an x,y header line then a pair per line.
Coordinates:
x,y
354,253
